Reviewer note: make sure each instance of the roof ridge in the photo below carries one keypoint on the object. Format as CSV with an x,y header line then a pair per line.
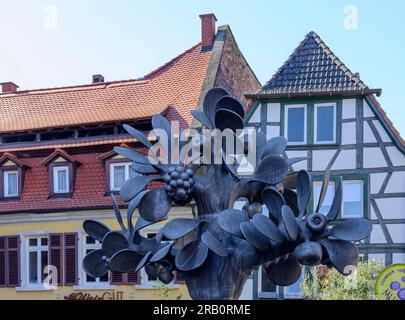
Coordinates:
x,y
339,63
150,74
312,67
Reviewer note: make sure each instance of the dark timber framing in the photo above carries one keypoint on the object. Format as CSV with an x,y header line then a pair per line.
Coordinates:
x,y
359,172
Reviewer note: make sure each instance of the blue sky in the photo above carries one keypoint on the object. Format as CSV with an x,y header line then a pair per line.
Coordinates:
x,y
57,43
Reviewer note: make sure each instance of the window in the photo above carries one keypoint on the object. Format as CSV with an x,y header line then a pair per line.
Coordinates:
x,y
353,191
294,291
352,199
61,179
119,173
88,246
330,194
37,259
10,183
296,123
325,123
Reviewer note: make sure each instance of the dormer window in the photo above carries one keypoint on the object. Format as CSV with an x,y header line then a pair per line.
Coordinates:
x,y
11,177
61,179
10,183
118,170
62,172
119,173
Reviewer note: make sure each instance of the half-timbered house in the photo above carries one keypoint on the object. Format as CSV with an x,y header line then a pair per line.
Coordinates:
x,y
329,115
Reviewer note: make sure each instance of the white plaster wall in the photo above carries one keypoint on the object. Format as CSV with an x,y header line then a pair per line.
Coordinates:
x,y
377,235
397,232
302,165
396,183
349,133
367,110
255,118
321,159
398,258
372,213
345,160
392,208
396,156
272,131
376,256
368,135
273,112
376,180
348,108
383,134
373,158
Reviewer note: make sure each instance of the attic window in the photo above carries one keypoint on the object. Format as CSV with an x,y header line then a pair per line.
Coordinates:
x,y
62,173
11,179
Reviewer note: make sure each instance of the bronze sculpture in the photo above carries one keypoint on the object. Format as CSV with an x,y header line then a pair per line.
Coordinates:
x,y
218,249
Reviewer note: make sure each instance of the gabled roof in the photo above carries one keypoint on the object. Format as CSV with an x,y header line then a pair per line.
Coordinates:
x,y
59,153
9,156
313,69
177,84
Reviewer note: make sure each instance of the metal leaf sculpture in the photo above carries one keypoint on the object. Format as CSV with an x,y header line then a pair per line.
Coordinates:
x,y
218,249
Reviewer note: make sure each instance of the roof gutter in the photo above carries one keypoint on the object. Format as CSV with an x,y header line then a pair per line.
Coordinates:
x,y
377,92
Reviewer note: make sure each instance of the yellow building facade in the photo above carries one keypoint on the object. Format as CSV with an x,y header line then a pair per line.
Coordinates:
x,y
41,226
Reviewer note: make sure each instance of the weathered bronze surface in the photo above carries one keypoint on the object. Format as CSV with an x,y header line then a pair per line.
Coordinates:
x,y
217,251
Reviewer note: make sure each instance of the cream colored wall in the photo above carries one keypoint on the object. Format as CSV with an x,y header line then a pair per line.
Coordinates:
x,y
22,224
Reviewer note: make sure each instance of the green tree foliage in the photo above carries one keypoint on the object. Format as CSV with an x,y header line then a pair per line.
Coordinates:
x,y
164,291
322,283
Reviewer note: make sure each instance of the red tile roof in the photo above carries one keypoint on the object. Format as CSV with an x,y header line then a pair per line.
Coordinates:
x,y
176,84
90,187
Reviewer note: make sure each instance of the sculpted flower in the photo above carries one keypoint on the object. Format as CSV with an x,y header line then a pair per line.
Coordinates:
x,y
218,248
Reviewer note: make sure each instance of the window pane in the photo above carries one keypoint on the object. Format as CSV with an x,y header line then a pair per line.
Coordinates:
x,y
44,263
325,123
294,289
44,241
32,242
327,202
118,176
33,267
352,199
62,180
11,183
296,127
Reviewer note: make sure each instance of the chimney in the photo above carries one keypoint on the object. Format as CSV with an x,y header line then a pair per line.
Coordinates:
x,y
9,87
207,30
97,78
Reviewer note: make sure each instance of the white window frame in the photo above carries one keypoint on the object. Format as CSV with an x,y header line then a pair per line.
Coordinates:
x,y
56,169
315,196
83,284
295,106
316,106
344,181
24,267
354,181
6,182
127,166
